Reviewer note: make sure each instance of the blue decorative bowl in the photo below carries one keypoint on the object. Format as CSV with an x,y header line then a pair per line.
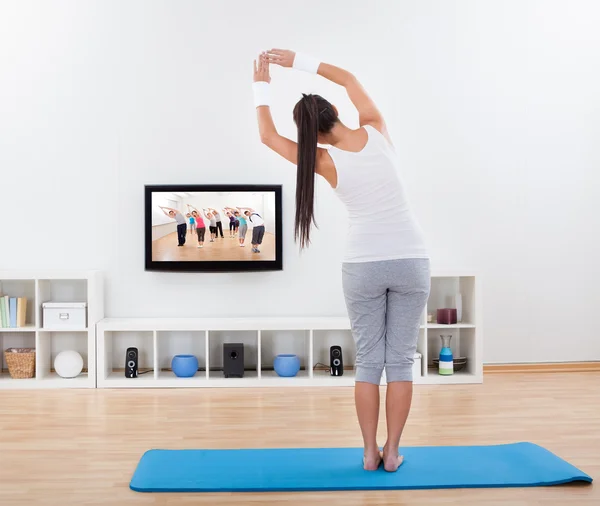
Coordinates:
x,y
184,366
287,365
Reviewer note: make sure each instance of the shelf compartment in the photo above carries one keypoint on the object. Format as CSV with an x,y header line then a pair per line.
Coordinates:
x,y
291,342
171,343
443,295
51,343
462,344
115,348
15,340
250,340
21,288
61,290
322,342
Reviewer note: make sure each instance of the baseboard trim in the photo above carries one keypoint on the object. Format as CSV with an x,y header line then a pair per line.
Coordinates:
x,y
543,367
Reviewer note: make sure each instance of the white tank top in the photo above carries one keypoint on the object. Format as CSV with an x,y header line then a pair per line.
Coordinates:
x,y
382,226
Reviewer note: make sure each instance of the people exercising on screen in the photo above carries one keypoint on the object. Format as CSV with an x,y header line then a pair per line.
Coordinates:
x,y
218,223
176,215
386,270
192,222
213,224
231,224
258,230
243,226
200,226
237,224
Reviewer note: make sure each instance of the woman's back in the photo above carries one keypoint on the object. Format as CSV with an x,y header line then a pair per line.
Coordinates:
x,y
381,226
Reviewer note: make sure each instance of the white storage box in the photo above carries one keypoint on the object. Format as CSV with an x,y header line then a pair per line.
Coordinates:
x,y
417,366
64,315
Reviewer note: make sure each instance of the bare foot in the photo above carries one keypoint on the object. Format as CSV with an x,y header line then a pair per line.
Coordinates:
x,y
372,462
391,460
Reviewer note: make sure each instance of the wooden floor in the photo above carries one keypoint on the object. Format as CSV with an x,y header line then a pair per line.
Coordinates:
x,y
81,447
165,249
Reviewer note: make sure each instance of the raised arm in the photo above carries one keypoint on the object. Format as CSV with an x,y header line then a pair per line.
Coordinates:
x,y
162,208
269,136
368,114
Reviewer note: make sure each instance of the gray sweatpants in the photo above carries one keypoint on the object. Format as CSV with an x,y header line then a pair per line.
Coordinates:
x,y
385,302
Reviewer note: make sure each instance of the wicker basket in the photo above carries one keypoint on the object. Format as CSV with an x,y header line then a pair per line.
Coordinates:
x,y
20,362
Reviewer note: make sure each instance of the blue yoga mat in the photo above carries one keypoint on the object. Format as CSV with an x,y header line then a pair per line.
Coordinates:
x,y
304,469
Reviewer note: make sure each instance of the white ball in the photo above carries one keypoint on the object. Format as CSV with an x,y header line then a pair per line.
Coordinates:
x,y
68,364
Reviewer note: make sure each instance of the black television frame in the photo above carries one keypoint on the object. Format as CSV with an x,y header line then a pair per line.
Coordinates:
x,y
213,265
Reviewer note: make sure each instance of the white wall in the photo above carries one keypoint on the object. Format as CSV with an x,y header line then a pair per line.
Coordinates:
x,y
493,106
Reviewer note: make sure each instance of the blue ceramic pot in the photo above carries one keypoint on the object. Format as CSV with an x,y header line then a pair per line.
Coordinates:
x,y
184,366
287,365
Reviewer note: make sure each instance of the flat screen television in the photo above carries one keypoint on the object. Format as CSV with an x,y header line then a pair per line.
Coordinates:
x,y
213,228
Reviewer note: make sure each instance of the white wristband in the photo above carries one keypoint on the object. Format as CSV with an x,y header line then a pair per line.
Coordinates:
x,y
306,63
262,93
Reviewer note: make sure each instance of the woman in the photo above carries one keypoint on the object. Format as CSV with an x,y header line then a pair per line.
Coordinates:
x,y
385,273
218,223
200,226
258,230
174,214
243,226
231,223
213,224
192,223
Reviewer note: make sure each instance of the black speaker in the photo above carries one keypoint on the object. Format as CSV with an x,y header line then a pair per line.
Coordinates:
x,y
131,363
336,361
233,360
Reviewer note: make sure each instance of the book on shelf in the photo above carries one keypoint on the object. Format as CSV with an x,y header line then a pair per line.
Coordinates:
x,y
3,307
21,311
12,308
13,311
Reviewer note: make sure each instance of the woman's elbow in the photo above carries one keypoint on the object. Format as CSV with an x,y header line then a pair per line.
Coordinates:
x,y
267,138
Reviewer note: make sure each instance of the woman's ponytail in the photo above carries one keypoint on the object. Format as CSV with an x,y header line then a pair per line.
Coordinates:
x,y
313,115
307,120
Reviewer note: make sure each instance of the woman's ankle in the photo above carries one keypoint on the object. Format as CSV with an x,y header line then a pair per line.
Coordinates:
x,y
390,447
371,450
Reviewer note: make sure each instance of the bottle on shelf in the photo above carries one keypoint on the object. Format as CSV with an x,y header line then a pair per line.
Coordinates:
x,y
446,365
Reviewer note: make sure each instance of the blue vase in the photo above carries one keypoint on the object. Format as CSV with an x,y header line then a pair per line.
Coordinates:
x,y
286,365
446,366
184,366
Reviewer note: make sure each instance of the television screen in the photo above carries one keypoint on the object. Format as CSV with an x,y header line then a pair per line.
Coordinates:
x,y
213,227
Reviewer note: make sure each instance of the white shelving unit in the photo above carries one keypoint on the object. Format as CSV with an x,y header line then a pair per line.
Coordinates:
x,y
57,286
159,339
467,334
